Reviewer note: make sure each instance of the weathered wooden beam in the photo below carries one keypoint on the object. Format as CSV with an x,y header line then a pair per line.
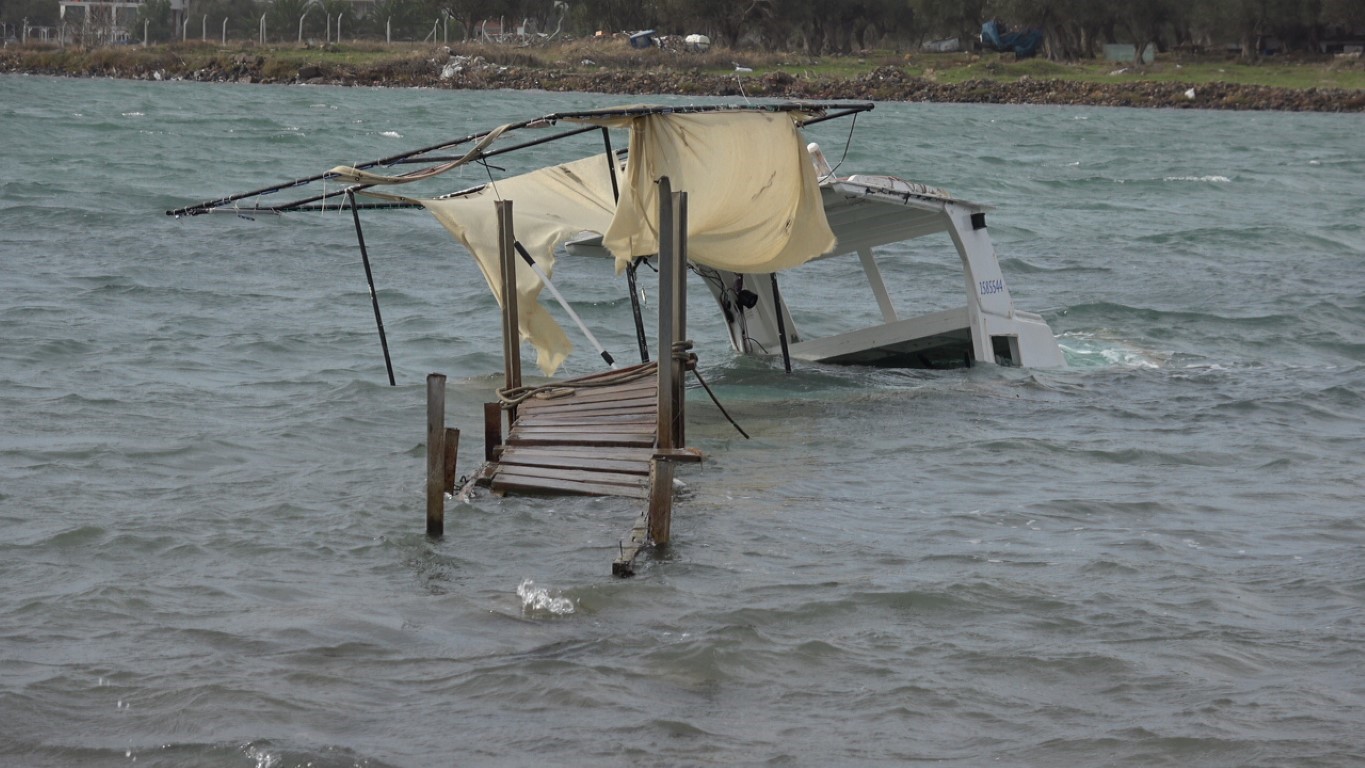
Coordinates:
x,y
511,326
660,500
532,457
564,419
680,323
608,429
667,294
636,540
620,396
492,430
642,454
590,476
452,454
514,482
436,460
583,439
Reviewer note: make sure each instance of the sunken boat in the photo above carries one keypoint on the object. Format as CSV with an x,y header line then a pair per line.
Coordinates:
x,y
764,201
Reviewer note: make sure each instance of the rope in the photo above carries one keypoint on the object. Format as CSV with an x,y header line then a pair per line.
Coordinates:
x,y
723,412
515,396
682,352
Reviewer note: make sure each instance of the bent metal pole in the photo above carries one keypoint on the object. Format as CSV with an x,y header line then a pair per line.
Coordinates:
x,y
560,298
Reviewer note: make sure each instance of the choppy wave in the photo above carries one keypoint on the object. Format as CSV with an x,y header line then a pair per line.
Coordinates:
x,y
213,501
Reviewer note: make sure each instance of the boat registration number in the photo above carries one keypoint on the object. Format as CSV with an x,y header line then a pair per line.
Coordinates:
x,y
988,287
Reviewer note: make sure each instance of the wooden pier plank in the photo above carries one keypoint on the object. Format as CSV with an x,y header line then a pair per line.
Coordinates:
x,y
623,454
637,389
534,483
603,441
598,409
567,461
533,404
600,429
576,475
592,419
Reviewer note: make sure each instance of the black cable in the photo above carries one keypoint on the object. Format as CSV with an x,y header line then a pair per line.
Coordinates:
x,y
847,143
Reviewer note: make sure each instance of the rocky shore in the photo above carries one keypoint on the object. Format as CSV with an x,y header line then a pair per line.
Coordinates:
x,y
446,69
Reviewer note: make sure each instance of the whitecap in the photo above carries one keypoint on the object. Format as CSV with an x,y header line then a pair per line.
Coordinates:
x,y
392,134
539,600
134,114
263,758
1089,350
1207,179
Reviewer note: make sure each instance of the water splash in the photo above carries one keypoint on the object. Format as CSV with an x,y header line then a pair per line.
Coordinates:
x,y
262,757
539,600
1208,179
1089,350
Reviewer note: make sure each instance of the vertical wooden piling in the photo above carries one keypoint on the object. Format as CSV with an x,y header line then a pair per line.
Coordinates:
x,y
436,459
452,455
667,292
660,500
492,430
511,328
672,327
680,317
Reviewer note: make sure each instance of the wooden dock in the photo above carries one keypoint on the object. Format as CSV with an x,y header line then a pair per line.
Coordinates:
x,y
595,435
615,433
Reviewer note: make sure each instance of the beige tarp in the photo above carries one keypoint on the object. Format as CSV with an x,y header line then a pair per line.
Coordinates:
x,y
548,207
753,196
753,204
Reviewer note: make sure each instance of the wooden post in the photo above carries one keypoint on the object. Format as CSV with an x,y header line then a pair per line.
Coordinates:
x,y
436,461
660,500
492,430
452,454
511,327
667,276
680,319
672,319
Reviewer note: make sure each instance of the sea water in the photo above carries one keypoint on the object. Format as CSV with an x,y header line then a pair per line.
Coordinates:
x,y
211,502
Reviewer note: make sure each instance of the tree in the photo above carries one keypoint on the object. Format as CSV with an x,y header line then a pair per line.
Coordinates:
x,y
242,17
1145,20
155,15
42,13
949,18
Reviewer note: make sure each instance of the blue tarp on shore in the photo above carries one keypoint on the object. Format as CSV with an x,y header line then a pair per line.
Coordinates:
x,y
1024,44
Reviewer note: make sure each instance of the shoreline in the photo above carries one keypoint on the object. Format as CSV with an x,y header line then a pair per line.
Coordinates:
x,y
441,67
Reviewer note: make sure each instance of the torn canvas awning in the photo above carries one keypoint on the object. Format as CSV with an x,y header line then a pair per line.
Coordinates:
x,y
550,206
754,202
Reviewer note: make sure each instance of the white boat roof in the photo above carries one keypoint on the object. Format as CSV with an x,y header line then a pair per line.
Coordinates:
x,y
870,211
